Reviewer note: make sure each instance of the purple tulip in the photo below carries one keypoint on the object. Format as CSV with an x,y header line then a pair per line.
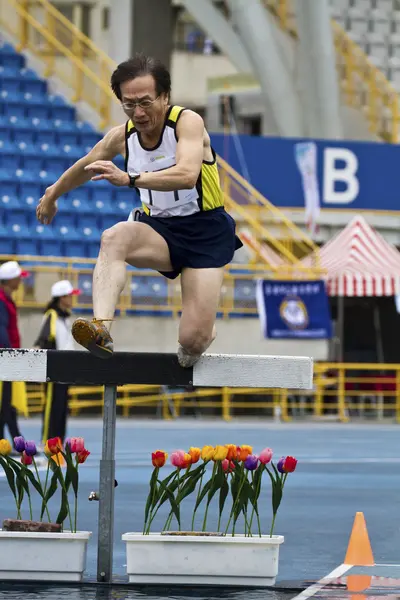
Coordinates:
x,y
30,448
251,462
19,443
67,443
280,465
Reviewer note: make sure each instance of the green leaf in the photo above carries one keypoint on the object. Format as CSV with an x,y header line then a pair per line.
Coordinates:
x,y
243,499
276,497
257,481
248,493
217,482
10,476
151,500
34,482
223,493
203,492
276,470
62,515
171,498
51,490
188,488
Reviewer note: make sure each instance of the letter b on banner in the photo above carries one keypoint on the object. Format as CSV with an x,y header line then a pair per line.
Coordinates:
x,y
346,175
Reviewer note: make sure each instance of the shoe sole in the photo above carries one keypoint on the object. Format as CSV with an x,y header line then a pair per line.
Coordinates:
x,y
84,334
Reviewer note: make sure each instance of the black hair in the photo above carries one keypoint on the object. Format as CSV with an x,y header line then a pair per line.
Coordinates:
x,y
52,305
138,66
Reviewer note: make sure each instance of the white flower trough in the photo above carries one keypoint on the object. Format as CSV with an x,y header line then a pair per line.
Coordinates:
x,y
202,560
39,556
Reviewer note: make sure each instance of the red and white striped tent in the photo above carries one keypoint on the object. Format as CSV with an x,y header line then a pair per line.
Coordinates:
x,y
359,262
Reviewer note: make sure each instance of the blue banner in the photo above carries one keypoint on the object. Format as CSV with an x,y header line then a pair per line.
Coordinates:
x,y
290,309
341,175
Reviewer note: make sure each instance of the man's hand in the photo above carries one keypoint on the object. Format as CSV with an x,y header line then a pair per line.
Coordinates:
x,y
46,210
106,169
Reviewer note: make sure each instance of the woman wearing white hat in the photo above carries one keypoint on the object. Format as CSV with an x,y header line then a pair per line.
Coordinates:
x,y
10,279
55,334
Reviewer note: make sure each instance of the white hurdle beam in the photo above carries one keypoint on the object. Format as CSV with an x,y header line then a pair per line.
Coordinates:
x,y
212,370
81,368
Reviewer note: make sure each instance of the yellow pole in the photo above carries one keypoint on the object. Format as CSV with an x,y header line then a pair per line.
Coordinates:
x,y
226,404
23,27
342,395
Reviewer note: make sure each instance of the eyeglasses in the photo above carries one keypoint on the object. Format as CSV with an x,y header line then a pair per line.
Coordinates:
x,y
130,106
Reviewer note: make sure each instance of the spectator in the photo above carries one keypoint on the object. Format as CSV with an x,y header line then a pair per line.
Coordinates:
x,y
10,279
55,334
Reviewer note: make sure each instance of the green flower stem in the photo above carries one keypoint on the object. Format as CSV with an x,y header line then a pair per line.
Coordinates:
x,y
220,514
62,481
40,483
156,509
208,502
283,480
235,503
257,493
29,496
152,500
198,495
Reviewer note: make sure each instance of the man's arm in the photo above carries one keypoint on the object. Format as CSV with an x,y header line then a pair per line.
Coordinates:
x,y
4,337
112,144
106,149
182,176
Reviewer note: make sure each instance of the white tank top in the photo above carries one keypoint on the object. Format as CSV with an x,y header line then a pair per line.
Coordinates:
x,y
162,156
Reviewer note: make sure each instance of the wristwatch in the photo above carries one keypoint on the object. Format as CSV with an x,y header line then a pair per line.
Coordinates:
x,y
133,175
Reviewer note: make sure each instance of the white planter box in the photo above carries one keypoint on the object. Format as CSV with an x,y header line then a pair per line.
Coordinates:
x,y
202,560
32,556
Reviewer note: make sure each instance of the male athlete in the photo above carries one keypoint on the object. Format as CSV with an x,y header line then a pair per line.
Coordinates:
x,y
183,228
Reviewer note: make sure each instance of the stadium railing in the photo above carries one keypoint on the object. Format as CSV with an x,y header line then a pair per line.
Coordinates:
x,y
341,392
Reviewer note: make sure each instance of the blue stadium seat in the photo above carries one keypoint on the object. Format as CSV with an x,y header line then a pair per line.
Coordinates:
x,y
72,242
65,219
103,207
72,152
6,243
11,84
12,60
108,221
13,109
49,150
32,162
17,216
89,221
8,147
6,48
88,140
8,202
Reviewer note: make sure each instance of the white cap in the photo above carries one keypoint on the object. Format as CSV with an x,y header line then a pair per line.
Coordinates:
x,y
63,288
11,270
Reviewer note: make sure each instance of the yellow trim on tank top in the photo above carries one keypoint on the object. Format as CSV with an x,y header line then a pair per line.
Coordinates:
x,y
212,193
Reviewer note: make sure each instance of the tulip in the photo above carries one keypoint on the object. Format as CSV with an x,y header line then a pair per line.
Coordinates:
x,y
158,458
207,453
82,456
265,456
227,465
26,459
19,443
220,453
180,459
280,464
54,445
47,451
243,452
5,447
251,462
77,444
30,448
232,451
195,454
290,464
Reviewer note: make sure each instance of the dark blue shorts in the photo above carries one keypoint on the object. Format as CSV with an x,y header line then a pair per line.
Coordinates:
x,y
200,241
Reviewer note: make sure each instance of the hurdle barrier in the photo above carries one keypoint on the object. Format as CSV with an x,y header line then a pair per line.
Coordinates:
x,y
146,368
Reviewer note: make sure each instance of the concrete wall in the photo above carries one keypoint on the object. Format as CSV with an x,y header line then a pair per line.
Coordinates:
x,y
159,334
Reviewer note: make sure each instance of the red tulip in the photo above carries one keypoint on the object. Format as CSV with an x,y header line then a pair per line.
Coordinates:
x,y
158,458
290,464
82,455
54,445
26,459
76,444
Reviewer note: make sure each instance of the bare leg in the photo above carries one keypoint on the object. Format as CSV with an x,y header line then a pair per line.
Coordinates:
x,y
127,242
201,289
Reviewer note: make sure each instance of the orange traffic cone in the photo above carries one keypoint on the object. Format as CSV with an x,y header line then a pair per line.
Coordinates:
x,y
359,551
358,583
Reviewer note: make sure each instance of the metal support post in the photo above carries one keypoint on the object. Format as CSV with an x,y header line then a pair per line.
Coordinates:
x,y
106,489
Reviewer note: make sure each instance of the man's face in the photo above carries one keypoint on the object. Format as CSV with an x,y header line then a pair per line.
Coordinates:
x,y
151,112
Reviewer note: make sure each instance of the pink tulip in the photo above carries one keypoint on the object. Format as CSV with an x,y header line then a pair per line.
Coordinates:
x,y
228,465
76,444
178,458
265,456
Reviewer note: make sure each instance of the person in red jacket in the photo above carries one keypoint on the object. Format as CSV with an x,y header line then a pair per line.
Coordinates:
x,y
10,279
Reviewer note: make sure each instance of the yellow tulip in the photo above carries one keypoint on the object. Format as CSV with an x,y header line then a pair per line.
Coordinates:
x,y
207,452
221,452
5,447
